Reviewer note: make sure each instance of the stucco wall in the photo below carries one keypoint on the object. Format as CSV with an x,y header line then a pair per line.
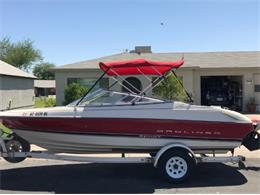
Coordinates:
x,y
187,80
16,92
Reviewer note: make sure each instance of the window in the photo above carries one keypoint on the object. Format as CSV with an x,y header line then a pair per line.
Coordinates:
x,y
132,84
257,88
88,82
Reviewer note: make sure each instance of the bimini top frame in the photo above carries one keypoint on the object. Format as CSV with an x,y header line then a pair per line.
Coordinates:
x,y
143,67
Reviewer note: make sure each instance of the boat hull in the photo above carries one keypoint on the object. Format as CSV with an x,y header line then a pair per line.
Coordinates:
x,y
139,127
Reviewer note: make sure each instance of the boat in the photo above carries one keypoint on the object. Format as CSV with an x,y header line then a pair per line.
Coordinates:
x,y
107,121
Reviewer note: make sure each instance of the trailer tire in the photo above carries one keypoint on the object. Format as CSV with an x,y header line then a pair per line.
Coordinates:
x,y
176,165
17,144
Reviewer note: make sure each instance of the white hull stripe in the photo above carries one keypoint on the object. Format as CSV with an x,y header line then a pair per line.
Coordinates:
x,y
83,143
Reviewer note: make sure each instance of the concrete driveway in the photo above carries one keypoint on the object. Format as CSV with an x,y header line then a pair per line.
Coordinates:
x,y
49,176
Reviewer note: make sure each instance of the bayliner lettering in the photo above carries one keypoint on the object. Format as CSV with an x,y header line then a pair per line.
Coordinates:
x,y
181,132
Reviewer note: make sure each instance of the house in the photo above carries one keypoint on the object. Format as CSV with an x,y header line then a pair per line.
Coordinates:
x,y
16,88
230,79
44,87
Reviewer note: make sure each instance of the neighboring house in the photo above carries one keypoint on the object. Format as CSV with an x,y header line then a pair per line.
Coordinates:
x,y
229,79
44,87
16,87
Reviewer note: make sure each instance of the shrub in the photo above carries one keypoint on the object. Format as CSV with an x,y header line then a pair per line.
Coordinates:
x,y
170,89
41,102
73,92
50,102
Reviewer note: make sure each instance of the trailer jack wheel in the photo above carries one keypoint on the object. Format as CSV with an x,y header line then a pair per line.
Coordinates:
x,y
17,144
176,166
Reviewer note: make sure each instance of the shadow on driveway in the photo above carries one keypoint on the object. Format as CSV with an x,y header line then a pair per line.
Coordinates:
x,y
112,178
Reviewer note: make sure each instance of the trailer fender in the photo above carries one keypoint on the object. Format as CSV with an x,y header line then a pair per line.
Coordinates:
x,y
172,146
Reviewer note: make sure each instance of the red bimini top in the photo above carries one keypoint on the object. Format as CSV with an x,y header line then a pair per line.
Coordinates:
x,y
138,66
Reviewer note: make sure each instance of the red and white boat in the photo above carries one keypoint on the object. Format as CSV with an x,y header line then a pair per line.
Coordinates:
x,y
109,121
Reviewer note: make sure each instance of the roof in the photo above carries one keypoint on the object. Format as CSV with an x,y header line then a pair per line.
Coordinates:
x,y
44,83
7,69
234,59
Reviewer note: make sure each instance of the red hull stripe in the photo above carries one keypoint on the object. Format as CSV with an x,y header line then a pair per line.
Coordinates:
x,y
155,127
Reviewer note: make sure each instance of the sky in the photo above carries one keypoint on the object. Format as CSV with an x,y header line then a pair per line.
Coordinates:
x,y
67,31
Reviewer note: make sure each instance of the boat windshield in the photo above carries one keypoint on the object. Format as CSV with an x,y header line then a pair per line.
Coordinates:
x,y
103,97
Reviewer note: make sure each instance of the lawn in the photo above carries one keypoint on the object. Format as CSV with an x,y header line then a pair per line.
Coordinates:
x,y
39,103
5,130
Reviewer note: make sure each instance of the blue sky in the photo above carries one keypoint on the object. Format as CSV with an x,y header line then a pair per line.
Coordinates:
x,y
68,31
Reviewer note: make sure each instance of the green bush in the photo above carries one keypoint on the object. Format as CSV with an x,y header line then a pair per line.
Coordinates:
x,y
73,92
170,89
42,102
50,102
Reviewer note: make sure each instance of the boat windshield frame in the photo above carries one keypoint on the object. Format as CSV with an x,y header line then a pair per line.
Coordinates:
x,y
142,94
120,98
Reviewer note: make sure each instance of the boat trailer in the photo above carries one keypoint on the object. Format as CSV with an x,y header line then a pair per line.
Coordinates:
x,y
174,161
91,159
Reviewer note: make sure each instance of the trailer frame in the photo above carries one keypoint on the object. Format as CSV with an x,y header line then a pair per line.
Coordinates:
x,y
166,158
123,159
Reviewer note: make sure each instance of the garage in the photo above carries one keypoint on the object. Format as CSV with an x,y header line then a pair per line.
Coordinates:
x,y
225,91
16,88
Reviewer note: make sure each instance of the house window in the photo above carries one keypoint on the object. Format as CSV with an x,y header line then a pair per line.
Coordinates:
x,y
257,88
88,82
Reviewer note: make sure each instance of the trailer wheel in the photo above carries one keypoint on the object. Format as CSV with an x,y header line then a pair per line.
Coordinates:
x,y
17,144
176,166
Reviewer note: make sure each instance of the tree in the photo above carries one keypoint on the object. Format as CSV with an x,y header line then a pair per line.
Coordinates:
x,y
21,54
42,71
73,92
170,89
